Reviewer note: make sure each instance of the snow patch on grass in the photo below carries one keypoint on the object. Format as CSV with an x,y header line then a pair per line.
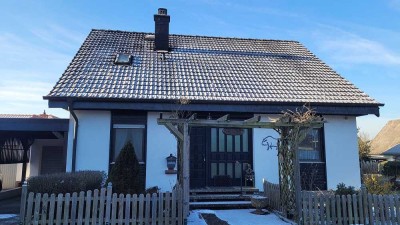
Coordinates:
x,y
236,217
7,216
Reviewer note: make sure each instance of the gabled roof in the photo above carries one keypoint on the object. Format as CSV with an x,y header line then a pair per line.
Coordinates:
x,y
387,138
199,68
394,151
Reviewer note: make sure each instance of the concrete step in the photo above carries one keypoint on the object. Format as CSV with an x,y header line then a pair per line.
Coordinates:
x,y
221,205
224,190
219,197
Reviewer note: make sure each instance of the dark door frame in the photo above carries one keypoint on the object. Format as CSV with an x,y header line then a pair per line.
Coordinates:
x,y
225,157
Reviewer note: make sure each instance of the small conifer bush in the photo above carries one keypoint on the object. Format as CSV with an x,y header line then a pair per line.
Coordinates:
x,y
124,174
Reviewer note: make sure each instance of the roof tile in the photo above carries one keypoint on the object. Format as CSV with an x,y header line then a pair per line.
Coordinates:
x,y
203,68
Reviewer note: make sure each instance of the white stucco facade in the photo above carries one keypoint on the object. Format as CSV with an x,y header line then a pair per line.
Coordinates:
x,y
93,142
265,160
341,151
93,146
160,144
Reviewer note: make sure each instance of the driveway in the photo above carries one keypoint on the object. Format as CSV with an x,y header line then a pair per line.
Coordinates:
x,y
10,205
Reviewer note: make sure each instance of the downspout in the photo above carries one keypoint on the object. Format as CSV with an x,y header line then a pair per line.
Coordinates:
x,y
71,110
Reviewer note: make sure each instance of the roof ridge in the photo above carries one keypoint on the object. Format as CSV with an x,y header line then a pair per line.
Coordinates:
x,y
204,36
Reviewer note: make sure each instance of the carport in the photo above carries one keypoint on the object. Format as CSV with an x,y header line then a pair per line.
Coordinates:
x,y
17,134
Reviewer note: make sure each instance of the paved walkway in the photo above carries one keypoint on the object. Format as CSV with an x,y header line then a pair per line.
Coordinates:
x,y
10,205
9,219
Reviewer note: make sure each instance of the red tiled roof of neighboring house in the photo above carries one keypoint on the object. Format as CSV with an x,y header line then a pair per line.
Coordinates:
x,y
28,116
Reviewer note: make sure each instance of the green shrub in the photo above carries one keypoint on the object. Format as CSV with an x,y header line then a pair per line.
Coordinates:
x,y
66,182
389,168
341,189
124,174
377,184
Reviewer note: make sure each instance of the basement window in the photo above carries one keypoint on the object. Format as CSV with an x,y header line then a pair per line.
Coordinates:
x,y
123,59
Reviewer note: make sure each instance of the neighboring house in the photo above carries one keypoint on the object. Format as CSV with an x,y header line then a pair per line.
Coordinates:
x,y
386,139
38,140
393,153
119,82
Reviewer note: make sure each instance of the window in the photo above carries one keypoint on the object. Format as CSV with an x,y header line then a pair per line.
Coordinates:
x,y
311,148
123,59
223,140
128,132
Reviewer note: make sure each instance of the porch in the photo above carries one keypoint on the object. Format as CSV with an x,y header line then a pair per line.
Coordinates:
x,y
290,126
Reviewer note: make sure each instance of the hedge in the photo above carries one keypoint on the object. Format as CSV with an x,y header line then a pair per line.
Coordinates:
x,y
66,182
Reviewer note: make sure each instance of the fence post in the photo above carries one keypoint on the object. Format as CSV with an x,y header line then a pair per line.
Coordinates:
x,y
108,203
23,202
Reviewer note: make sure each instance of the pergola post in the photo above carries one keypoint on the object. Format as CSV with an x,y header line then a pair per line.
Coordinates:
x,y
186,168
297,183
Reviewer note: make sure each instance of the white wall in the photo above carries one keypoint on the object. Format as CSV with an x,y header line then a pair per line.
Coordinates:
x,y
19,171
160,143
341,151
8,174
34,165
265,160
93,142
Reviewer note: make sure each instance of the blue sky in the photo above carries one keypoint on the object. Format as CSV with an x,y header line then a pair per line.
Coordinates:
x,y
358,39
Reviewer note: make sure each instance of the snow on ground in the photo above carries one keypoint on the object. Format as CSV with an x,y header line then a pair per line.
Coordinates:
x,y
195,218
236,217
7,216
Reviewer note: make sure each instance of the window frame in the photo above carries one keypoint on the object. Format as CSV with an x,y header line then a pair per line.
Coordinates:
x,y
321,140
126,120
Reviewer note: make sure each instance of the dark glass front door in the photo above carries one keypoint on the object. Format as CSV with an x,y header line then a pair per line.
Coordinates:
x,y
219,156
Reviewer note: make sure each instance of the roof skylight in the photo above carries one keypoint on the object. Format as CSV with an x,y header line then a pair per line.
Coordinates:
x,y
123,59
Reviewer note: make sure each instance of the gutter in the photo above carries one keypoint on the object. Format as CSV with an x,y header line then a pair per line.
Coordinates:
x,y
71,110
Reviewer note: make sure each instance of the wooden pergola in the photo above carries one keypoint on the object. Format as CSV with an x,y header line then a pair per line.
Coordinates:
x,y
291,132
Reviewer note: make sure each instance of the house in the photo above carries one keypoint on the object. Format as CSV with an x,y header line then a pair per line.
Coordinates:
x,y
31,145
387,139
119,83
393,153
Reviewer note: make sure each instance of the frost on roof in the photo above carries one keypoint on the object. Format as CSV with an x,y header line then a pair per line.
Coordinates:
x,y
203,68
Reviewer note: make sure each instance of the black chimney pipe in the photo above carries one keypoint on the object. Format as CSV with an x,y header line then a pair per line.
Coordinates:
x,y
161,30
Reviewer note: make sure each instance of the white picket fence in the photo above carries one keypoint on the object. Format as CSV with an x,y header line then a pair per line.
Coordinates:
x,y
101,207
361,208
326,208
272,192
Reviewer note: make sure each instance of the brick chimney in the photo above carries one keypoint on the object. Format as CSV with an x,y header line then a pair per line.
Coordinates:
x,y
161,20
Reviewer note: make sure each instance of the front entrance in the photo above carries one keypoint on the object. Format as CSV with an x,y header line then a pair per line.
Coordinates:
x,y
219,157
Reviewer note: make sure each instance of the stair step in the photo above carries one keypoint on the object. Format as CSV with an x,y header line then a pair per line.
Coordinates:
x,y
224,197
220,205
223,190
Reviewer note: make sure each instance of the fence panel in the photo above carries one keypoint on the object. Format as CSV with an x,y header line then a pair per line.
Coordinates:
x,y
272,192
369,167
98,207
361,208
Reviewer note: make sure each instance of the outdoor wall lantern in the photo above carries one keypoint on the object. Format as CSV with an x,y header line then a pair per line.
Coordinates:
x,y
171,163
